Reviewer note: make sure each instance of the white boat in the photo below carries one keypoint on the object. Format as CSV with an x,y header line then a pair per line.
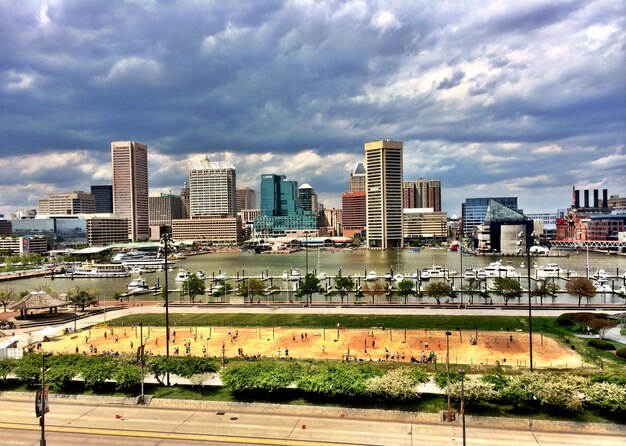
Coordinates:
x,y
182,275
497,269
137,286
295,274
200,275
469,273
222,276
371,276
387,276
398,278
600,274
553,270
622,290
603,287
434,271
322,276
137,270
91,270
151,262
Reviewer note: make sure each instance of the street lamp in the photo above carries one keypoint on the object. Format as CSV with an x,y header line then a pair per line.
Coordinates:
x,y
528,240
43,399
165,239
462,373
448,333
461,256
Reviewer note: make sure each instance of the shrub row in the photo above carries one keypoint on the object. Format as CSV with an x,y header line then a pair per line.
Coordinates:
x,y
600,344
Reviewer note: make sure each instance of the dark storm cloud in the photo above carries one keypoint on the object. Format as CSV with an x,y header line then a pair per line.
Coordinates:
x,y
471,88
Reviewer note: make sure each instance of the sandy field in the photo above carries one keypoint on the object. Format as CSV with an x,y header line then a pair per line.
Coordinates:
x,y
509,349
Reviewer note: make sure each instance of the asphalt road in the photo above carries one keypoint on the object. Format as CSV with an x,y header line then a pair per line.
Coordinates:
x,y
75,424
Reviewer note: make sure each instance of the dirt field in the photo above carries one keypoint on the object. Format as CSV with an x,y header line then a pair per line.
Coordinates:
x,y
375,345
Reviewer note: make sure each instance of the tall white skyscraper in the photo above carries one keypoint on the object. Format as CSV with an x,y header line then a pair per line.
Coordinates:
x,y
129,160
383,182
212,189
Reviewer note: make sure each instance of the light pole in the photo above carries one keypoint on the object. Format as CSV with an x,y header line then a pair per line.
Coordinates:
x,y
448,373
462,373
43,400
461,256
165,239
530,306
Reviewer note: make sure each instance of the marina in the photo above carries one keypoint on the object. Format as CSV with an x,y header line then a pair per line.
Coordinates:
x,y
281,274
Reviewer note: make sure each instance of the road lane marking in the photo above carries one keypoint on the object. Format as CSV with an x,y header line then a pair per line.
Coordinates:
x,y
172,435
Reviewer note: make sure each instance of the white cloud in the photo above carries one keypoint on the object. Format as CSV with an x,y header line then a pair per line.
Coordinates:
x,y
134,70
550,149
18,81
384,21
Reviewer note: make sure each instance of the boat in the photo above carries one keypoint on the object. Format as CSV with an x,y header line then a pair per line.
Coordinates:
x,y
222,276
91,270
137,270
497,269
469,273
553,270
603,287
149,262
200,275
387,276
398,277
292,274
137,286
600,274
371,276
182,275
322,276
622,290
434,271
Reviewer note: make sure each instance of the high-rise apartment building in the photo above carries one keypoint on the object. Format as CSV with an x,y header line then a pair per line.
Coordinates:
x,y
422,193
357,178
383,164
104,198
409,198
212,189
67,203
434,195
246,198
184,198
354,216
129,161
306,198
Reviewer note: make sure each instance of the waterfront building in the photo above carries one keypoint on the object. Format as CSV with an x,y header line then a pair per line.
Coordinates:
x,y
247,221
105,229
280,209
24,245
357,178
212,189
424,225
330,223
617,203
67,203
474,211
163,208
354,216
384,193
104,198
223,231
5,227
500,230
129,161
246,198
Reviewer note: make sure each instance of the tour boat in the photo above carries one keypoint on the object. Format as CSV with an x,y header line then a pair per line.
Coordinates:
x,y
94,271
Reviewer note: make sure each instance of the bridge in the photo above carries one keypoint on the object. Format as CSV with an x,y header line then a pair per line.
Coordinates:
x,y
604,245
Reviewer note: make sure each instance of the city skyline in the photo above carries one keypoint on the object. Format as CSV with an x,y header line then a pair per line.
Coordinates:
x,y
524,100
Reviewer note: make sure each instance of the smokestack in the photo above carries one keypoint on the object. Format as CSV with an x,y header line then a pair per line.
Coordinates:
x,y
596,204
586,203
605,198
576,199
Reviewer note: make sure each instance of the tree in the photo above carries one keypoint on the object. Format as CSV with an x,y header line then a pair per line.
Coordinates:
x,y
544,288
397,384
308,286
6,297
581,287
193,285
471,286
343,284
438,290
507,287
374,290
251,288
83,297
406,288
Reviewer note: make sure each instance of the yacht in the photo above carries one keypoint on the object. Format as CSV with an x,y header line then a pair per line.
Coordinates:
x,y
387,276
603,287
90,270
182,275
137,270
137,286
200,275
222,276
553,270
469,273
600,274
371,276
434,271
322,276
497,269
292,274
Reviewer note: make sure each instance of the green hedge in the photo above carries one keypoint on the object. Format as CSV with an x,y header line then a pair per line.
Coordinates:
x,y
621,352
600,344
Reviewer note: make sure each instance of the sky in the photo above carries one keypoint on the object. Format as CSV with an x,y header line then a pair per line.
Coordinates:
x,y
493,98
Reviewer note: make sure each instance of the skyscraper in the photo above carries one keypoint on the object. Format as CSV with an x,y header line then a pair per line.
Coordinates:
x,y
246,198
129,161
357,178
212,189
384,193
434,195
306,198
185,210
104,198
409,199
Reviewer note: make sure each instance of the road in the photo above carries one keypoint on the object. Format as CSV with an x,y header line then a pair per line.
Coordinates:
x,y
69,424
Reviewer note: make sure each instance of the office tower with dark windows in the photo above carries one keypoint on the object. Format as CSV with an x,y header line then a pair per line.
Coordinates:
x,y
246,198
129,161
383,165
357,178
104,198
184,198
